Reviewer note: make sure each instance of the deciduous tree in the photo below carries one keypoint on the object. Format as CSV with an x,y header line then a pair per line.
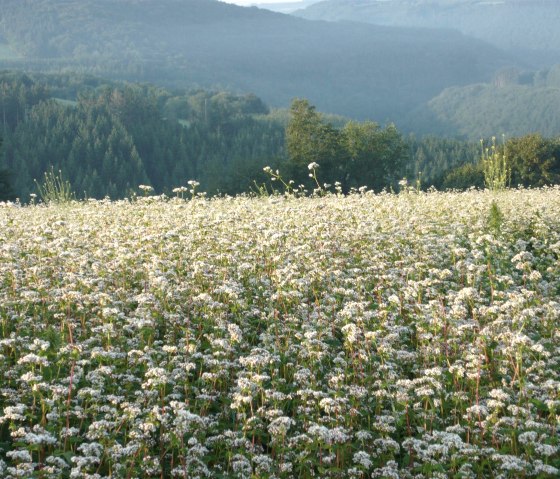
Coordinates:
x,y
376,155
535,161
310,139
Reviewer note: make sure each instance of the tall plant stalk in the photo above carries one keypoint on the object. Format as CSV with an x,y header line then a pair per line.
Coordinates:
x,y
497,171
54,188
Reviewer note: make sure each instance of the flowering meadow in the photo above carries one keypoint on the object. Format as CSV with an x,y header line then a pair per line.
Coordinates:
x,y
411,335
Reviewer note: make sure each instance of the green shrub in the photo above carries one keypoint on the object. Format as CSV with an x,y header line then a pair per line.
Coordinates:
x,y
535,160
464,177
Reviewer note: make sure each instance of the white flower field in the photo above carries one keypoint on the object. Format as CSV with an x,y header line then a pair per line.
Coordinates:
x,y
412,335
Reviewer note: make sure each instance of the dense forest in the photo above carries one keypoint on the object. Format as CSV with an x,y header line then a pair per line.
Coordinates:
x,y
107,138
357,70
112,137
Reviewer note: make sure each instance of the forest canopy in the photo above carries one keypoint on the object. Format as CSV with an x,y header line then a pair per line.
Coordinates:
x,y
111,137
107,138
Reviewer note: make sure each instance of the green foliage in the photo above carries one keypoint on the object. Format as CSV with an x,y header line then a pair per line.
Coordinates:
x,y
464,177
495,217
535,161
359,154
110,137
434,159
479,110
309,139
17,93
530,161
495,166
55,189
376,156
7,192
6,189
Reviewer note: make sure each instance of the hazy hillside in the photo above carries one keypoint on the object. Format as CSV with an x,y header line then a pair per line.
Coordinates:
x,y
356,70
528,28
514,104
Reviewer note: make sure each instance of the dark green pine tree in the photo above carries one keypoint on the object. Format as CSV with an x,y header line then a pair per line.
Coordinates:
x,y
7,192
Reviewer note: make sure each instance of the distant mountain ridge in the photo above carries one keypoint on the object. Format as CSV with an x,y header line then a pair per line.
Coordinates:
x,y
359,70
287,7
527,28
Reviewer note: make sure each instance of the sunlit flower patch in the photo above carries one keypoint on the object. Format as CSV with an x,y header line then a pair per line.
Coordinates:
x,y
391,336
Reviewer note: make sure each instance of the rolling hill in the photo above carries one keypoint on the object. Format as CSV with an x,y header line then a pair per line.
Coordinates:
x,y
489,109
527,29
515,101
359,70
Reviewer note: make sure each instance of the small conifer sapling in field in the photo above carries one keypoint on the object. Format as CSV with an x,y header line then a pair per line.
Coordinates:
x,y
496,217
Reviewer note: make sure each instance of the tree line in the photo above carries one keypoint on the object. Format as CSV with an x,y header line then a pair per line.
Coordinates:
x,y
107,138
358,154
532,161
110,138
365,154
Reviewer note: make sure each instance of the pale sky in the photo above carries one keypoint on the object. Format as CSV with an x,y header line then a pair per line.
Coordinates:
x,y
246,3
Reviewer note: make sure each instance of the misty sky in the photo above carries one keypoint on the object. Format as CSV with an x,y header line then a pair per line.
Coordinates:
x,y
258,2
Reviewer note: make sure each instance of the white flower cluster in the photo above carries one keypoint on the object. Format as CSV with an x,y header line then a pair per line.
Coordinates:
x,y
382,336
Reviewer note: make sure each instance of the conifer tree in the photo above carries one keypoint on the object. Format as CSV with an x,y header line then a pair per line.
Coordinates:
x,y
6,189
